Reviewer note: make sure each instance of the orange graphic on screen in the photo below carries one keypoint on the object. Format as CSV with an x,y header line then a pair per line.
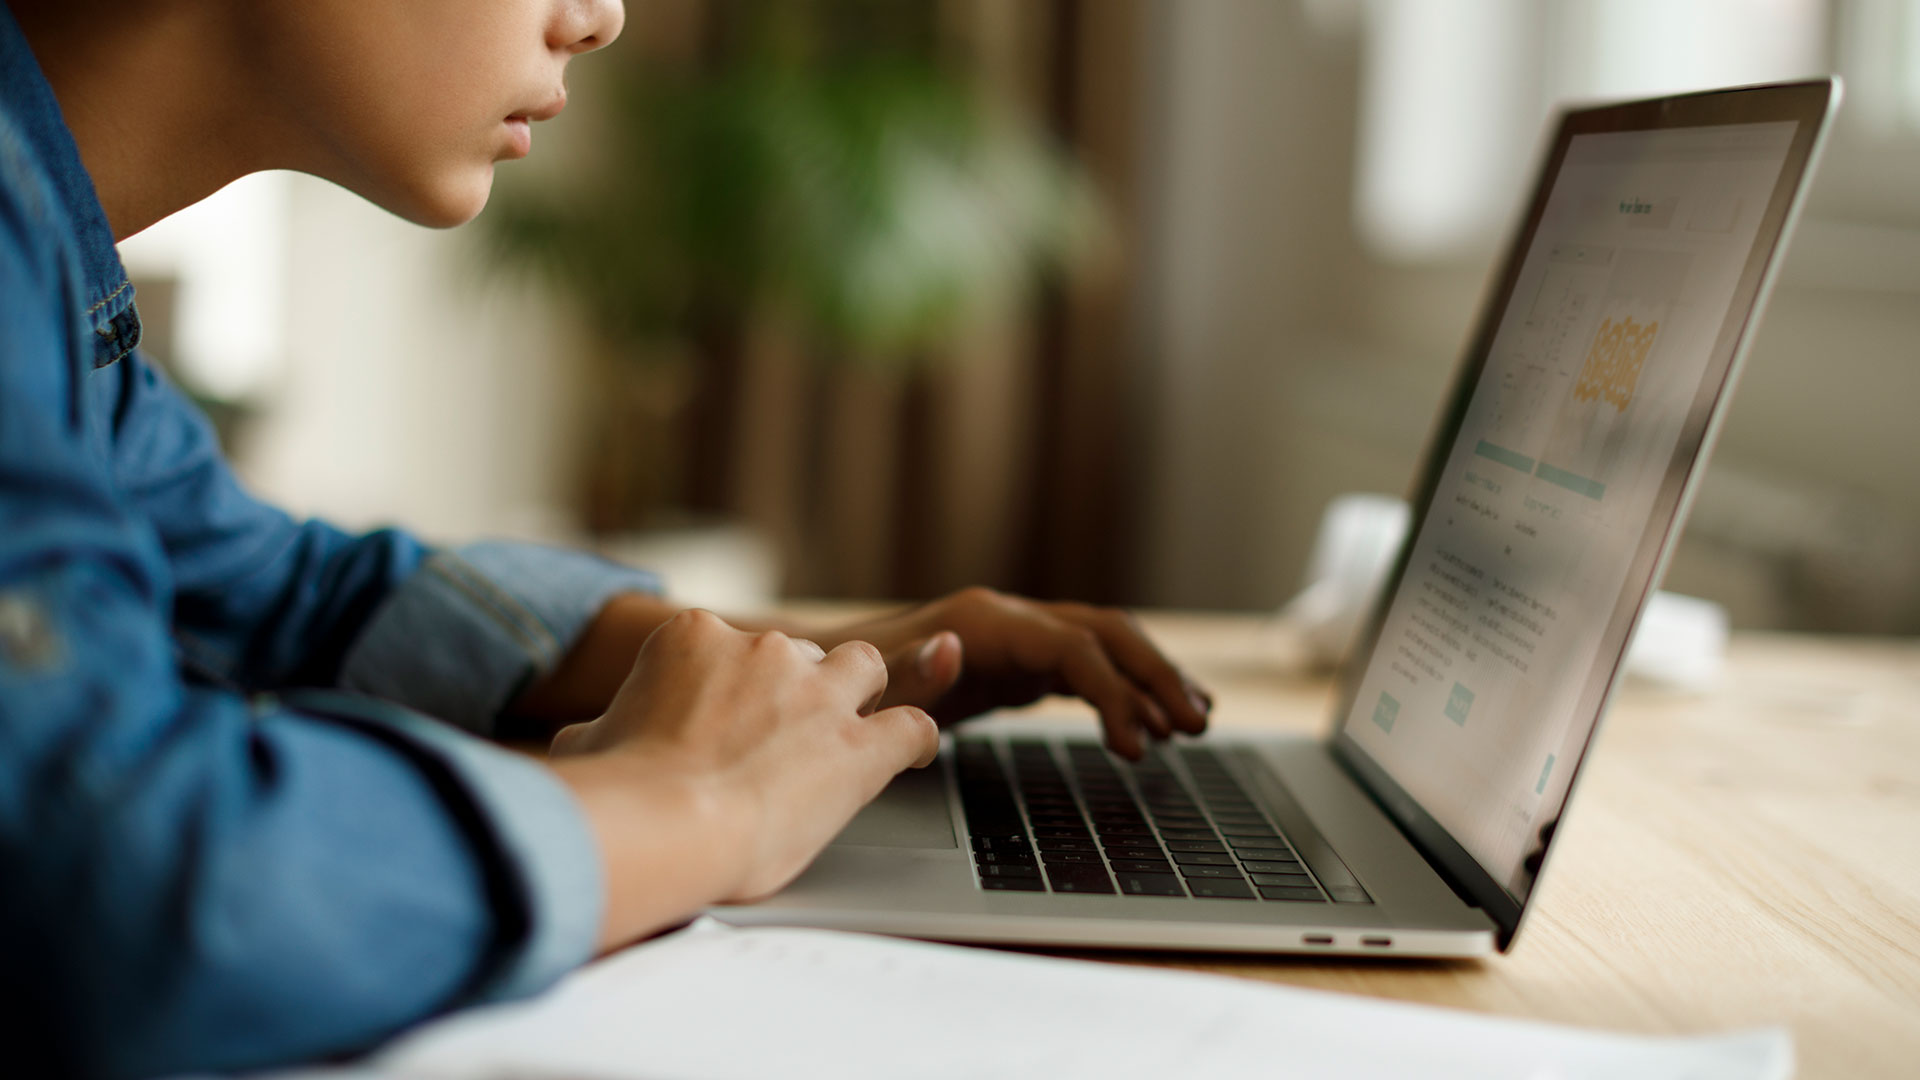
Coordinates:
x,y
1612,368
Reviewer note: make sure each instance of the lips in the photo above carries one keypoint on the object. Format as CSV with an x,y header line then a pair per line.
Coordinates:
x,y
547,111
520,132
520,124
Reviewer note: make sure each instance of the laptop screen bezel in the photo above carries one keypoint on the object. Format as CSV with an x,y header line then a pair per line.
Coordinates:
x,y
1810,104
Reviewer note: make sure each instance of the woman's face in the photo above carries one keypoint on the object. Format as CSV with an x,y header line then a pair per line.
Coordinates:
x,y
411,102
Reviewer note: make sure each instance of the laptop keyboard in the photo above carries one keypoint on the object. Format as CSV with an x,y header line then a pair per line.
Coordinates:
x,y
1068,817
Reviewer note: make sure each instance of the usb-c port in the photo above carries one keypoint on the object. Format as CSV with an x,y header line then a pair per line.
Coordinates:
x,y
1377,942
1318,939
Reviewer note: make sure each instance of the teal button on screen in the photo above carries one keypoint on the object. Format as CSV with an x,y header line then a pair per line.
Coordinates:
x,y
1459,703
1385,711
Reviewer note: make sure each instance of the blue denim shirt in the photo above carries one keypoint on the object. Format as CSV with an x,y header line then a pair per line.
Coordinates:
x,y
230,835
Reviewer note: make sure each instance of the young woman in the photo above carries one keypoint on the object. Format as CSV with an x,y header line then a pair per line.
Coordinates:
x,y
248,813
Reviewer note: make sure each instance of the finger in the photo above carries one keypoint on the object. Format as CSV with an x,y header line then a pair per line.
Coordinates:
x,y
908,737
1076,653
861,670
921,672
1154,716
1134,653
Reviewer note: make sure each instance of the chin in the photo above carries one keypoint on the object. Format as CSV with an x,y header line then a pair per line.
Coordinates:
x,y
446,201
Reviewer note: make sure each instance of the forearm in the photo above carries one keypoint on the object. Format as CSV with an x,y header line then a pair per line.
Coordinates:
x,y
669,844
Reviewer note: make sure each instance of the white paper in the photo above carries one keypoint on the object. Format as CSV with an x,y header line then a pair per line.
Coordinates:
x,y
717,1003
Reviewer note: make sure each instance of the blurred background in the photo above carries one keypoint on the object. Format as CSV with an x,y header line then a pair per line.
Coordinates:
x,y
1101,299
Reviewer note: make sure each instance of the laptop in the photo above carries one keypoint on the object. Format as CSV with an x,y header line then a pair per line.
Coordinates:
x,y
1552,492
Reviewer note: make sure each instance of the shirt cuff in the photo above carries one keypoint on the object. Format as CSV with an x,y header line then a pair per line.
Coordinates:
x,y
540,850
472,628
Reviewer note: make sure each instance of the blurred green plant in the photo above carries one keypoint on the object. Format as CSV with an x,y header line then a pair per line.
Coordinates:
x,y
875,202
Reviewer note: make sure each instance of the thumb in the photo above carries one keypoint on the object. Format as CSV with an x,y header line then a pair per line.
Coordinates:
x,y
919,672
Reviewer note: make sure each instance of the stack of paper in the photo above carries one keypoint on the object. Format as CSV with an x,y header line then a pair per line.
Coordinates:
x,y
717,1003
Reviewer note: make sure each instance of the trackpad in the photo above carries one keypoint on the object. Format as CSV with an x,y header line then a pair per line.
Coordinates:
x,y
911,813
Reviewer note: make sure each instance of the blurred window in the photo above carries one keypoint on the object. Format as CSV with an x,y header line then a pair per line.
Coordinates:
x,y
1455,95
1880,52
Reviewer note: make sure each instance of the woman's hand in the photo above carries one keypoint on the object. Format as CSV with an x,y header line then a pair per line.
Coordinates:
x,y
727,761
978,649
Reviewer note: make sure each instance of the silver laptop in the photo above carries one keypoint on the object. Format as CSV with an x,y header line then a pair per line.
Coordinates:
x,y
1551,494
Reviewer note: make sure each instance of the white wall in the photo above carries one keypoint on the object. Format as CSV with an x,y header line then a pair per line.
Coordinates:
x,y
416,389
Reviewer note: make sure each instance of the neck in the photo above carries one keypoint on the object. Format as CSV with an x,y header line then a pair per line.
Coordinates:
x,y
151,109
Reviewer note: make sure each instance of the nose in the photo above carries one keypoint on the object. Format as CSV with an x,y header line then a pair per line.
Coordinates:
x,y
581,26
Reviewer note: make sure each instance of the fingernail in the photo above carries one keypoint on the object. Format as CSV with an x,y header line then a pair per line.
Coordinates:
x,y
1200,702
925,659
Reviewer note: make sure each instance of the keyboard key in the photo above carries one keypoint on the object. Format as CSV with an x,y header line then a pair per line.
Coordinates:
x,y
1256,867
1057,843
1027,870
1136,853
1013,884
1211,872
1240,819
1091,858
1182,822
1220,889
1308,894
1195,845
1056,832
984,857
1187,834
1263,831
1218,789
1151,885
1143,866
1079,879
1282,879
1128,829
1260,847
1201,858
1006,842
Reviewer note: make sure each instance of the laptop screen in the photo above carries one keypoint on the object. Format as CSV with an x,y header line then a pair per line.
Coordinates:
x,y
1491,659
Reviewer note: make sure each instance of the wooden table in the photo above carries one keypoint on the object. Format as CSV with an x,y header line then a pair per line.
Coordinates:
x,y
1741,858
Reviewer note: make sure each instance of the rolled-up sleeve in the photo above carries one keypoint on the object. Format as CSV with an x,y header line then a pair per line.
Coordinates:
x,y
472,627
263,601
548,863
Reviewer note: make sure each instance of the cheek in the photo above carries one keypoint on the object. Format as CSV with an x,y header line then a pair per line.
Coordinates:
x,y
441,125
404,116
